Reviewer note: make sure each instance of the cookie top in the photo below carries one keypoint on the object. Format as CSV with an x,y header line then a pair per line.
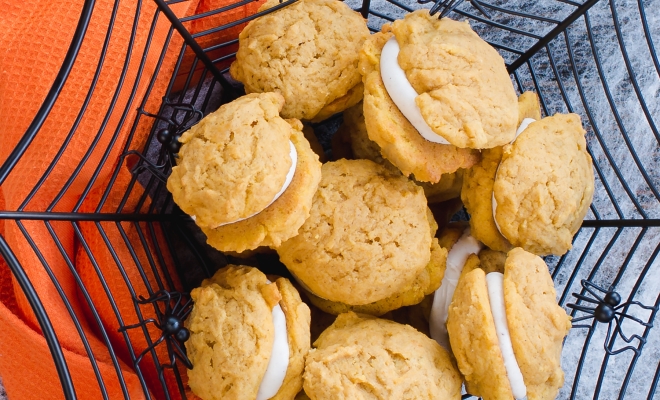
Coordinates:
x,y
234,161
398,140
544,185
465,93
366,357
536,323
448,187
232,334
282,219
306,51
366,225
424,284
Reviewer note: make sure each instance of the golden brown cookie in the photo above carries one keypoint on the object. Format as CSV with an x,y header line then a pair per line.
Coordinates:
x,y
398,140
367,237
306,51
232,334
536,323
465,93
234,161
282,219
425,283
366,357
362,147
544,185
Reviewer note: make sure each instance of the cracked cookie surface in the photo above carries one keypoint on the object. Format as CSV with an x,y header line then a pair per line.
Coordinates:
x,y
544,185
365,357
234,161
282,219
465,93
366,225
306,51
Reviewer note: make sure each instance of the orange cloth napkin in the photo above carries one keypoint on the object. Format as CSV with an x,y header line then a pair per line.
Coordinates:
x,y
34,37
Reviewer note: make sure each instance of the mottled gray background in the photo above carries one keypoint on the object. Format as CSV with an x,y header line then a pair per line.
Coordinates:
x,y
625,187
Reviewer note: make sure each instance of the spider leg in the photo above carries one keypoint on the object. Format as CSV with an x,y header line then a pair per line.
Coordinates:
x,y
585,298
146,321
635,303
158,117
578,307
148,349
626,338
639,321
181,354
448,6
588,285
582,318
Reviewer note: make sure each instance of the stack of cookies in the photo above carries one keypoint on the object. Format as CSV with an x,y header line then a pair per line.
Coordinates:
x,y
400,303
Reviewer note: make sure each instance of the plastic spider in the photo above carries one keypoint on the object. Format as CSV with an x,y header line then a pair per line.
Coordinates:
x,y
448,6
607,310
171,323
169,136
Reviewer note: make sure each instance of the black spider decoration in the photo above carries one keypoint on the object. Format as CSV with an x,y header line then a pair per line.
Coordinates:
x,y
171,323
448,6
169,136
608,309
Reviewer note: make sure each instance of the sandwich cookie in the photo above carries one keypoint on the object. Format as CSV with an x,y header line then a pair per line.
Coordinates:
x,y
506,330
308,52
365,357
459,251
397,139
249,337
245,175
369,238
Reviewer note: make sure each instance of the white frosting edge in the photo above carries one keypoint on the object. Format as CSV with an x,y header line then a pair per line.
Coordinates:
x,y
402,92
456,259
289,177
279,358
523,125
495,285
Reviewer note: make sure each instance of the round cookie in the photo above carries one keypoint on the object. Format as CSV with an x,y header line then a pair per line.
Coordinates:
x,y
397,139
544,185
464,91
227,155
306,51
424,284
536,324
282,219
362,147
366,357
366,225
232,334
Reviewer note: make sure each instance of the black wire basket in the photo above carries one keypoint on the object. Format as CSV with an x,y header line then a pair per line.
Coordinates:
x,y
594,58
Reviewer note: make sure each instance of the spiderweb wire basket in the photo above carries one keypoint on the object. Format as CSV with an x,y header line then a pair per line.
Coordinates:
x,y
594,58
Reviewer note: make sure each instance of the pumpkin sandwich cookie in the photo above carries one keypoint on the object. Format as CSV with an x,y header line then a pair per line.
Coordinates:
x,y
506,330
248,337
245,175
308,52
368,244
535,192
366,357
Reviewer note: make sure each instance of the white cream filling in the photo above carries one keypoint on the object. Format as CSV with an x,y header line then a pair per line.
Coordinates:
x,y
289,177
494,282
402,93
523,125
279,358
456,259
